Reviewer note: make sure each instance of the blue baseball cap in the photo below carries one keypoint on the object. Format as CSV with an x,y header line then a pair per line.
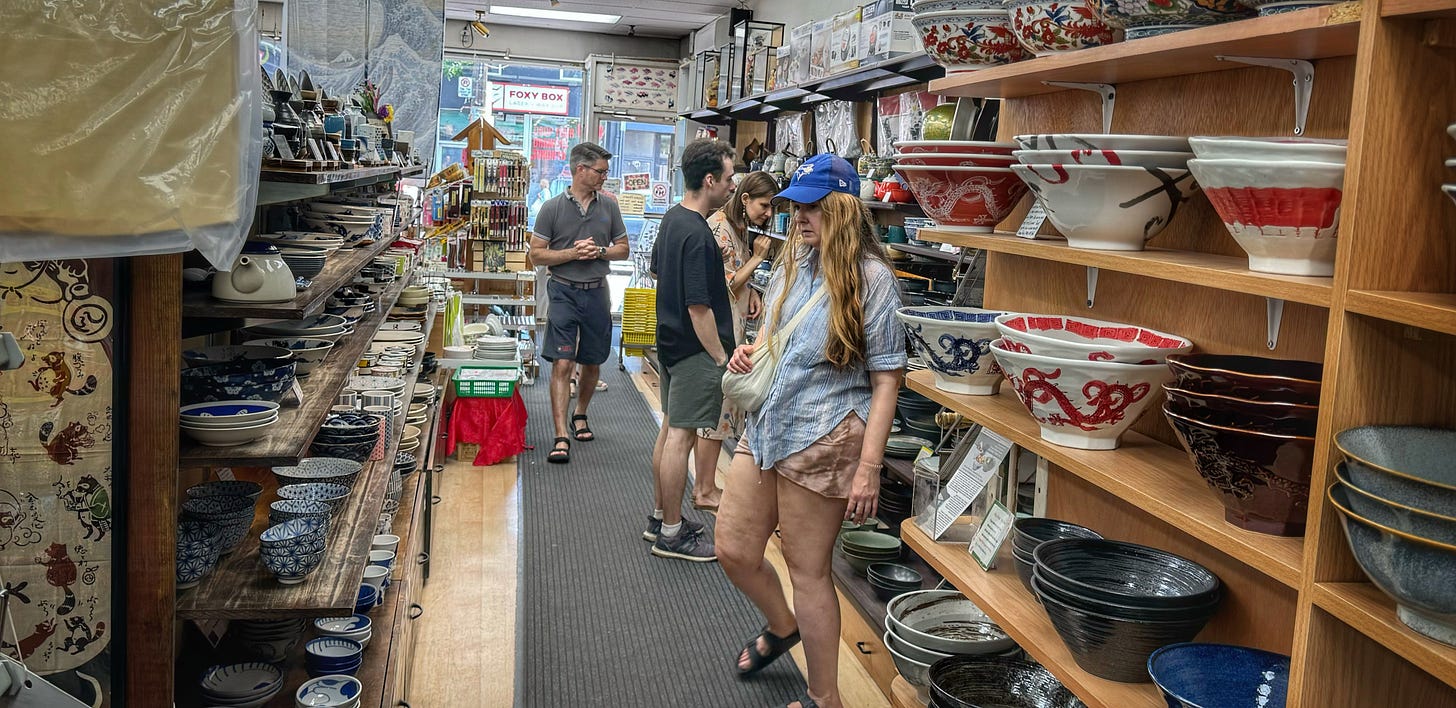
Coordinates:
x,y
820,175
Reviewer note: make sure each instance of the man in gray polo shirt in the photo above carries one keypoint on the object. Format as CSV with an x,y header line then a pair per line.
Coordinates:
x,y
576,233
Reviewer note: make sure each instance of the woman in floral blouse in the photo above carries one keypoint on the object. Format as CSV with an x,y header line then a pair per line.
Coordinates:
x,y
752,205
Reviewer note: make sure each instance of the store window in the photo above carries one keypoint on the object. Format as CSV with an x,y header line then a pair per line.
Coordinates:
x,y
537,107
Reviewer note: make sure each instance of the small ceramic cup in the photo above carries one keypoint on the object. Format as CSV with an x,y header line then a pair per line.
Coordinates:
x,y
383,559
367,359
383,370
349,398
341,408
385,542
378,576
378,398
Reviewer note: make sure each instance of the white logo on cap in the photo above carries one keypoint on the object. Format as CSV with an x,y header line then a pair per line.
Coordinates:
x,y
843,183
804,169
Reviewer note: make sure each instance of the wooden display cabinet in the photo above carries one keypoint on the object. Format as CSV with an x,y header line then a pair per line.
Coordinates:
x,y
1384,326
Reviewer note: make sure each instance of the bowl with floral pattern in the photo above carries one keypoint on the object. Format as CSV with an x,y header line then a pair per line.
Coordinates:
x,y
1081,404
967,40
1058,26
1150,18
955,343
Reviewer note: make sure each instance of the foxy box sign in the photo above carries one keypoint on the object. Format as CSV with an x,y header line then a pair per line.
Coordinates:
x,y
526,98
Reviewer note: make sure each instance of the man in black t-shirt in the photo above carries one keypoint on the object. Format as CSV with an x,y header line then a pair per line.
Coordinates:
x,y
694,337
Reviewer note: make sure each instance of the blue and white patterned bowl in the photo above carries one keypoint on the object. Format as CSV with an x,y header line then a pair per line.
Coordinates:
x,y
198,532
356,451
1194,675
333,655
955,343
288,509
226,488
334,691
291,570
346,424
217,508
240,412
239,358
331,494
328,470
292,534
236,684
367,600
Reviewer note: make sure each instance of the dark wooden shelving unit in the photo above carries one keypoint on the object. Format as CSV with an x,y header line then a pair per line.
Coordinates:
x,y
338,272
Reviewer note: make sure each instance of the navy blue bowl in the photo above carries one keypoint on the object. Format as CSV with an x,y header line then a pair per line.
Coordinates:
x,y
358,452
327,439
1196,675
349,423
238,358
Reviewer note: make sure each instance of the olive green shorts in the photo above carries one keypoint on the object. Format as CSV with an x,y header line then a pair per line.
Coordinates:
x,y
692,392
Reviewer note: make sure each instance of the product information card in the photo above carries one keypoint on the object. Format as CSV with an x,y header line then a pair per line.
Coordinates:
x,y
987,543
977,464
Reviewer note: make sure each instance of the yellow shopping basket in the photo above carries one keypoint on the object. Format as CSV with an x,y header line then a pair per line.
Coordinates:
x,y
639,321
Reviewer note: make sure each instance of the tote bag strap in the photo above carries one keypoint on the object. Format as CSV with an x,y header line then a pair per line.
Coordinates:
x,y
783,335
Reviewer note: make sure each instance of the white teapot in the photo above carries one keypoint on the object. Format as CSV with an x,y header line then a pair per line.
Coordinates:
x,y
258,275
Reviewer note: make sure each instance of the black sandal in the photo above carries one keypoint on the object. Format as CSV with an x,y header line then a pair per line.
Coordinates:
x,y
777,647
558,455
583,430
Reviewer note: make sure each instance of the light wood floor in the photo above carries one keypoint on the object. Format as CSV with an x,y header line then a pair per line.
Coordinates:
x,y
467,636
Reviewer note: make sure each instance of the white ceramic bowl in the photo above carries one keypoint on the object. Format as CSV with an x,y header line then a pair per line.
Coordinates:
x,y
256,411
975,147
1090,141
1130,158
1092,340
1086,405
955,344
968,40
1285,215
227,437
1269,149
1107,208
309,352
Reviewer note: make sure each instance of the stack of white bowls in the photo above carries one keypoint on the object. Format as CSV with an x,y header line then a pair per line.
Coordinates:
x,y
1279,197
1084,381
356,627
249,684
1107,192
926,626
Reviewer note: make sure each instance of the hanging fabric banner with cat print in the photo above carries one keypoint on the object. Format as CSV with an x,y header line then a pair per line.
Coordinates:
x,y
56,472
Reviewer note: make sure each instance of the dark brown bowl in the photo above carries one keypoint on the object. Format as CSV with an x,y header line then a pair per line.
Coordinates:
x,y
1264,416
1252,377
1261,478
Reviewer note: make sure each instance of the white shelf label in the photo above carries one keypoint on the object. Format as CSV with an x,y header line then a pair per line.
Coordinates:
x,y
1031,226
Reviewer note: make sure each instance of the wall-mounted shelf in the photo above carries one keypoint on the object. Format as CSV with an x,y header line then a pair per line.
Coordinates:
x,y
473,275
338,272
291,436
1156,478
1432,311
855,84
277,186
926,252
1315,33
499,300
1209,270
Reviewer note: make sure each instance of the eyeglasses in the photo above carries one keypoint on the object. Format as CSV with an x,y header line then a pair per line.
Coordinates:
x,y
601,172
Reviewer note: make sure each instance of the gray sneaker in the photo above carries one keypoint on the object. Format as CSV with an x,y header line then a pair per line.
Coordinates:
x,y
689,545
654,525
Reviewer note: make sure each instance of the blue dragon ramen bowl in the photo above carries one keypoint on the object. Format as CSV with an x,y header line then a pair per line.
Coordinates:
x,y
955,343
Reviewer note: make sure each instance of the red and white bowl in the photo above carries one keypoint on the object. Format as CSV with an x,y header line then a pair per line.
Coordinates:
x,y
1269,149
1106,208
1285,215
964,199
1086,405
1100,141
959,147
1131,158
953,159
1092,340
967,40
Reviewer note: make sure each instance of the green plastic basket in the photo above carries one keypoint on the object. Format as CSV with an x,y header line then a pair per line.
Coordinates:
x,y
472,388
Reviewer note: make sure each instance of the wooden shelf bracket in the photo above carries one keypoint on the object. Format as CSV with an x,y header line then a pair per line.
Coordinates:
x,y
1274,315
1108,92
1092,272
1303,83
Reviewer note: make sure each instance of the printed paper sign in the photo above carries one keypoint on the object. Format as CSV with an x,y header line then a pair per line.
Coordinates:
x,y
466,87
660,192
978,464
994,529
632,204
637,181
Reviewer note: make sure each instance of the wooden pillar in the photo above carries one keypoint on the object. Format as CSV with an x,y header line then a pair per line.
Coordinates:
x,y
154,340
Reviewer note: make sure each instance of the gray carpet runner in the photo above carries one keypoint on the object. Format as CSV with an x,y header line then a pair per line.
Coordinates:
x,y
603,622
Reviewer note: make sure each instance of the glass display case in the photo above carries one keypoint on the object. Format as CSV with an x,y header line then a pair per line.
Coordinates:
x,y
706,77
755,45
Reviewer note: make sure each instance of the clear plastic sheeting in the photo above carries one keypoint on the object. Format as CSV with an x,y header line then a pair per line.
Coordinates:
x,y
835,121
131,128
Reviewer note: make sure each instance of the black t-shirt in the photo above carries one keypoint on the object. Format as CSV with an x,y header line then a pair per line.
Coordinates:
x,y
689,268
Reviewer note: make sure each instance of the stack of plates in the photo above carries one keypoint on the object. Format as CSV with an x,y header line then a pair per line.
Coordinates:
x,y
424,393
906,446
399,337
376,383
495,348
915,363
268,640
400,327
241,685
356,627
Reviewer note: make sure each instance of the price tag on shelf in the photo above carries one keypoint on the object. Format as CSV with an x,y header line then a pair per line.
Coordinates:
x,y
978,462
924,453
296,395
994,529
226,474
1031,226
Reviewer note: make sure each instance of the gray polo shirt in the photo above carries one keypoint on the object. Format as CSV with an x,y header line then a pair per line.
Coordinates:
x,y
562,222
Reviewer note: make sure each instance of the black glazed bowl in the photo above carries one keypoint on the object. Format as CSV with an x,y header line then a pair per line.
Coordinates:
x,y
358,452
1125,573
970,681
1114,648
1025,564
1275,417
1044,529
345,424
1046,586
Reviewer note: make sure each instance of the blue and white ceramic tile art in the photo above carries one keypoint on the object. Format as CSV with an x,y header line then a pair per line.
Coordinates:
x,y
398,44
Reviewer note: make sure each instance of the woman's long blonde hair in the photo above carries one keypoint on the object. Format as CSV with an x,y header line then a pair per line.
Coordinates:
x,y
846,240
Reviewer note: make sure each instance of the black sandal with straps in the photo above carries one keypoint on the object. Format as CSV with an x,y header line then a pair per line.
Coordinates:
x,y
583,430
777,647
557,455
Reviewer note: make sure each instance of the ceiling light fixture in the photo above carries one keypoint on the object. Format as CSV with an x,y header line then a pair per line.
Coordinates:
x,y
479,25
563,15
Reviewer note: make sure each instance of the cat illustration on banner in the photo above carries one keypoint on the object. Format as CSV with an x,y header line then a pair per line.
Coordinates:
x,y
53,377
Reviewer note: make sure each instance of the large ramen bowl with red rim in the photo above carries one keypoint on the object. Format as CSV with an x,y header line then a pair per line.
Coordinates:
x,y
1093,340
953,159
1107,207
1078,403
974,147
1284,214
964,199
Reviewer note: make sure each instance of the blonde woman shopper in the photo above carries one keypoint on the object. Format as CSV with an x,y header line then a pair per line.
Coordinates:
x,y
751,206
811,456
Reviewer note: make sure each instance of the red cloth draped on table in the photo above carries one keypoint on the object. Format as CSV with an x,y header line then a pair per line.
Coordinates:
x,y
498,425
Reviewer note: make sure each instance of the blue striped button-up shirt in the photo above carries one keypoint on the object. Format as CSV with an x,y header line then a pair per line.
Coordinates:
x,y
810,396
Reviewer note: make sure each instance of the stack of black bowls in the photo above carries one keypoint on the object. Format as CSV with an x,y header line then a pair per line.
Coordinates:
x,y
975,681
1030,532
895,498
917,415
1115,603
